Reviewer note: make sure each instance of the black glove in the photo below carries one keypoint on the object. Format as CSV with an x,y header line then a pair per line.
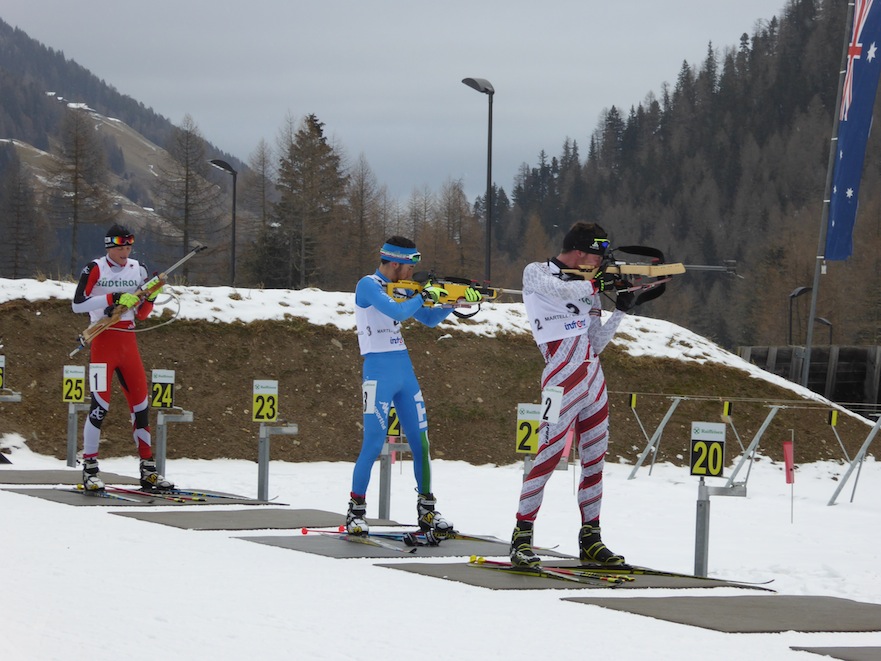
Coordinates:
x,y
605,281
625,301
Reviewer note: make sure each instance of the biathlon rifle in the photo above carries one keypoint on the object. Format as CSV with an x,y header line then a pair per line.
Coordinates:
x,y
157,282
647,275
454,287
653,267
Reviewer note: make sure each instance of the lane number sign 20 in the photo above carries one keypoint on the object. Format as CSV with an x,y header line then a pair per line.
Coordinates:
x,y
707,449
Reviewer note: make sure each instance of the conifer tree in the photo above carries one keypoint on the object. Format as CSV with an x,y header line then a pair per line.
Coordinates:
x,y
311,185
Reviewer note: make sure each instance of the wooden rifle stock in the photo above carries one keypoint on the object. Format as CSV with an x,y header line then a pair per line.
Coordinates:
x,y
623,268
157,282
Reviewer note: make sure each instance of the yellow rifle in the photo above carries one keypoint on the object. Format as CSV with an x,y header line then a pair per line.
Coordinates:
x,y
157,282
455,288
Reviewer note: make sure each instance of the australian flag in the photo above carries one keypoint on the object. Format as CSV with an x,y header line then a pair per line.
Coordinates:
x,y
854,122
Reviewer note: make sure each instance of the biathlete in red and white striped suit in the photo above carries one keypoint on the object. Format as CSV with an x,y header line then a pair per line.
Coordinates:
x,y
565,314
105,283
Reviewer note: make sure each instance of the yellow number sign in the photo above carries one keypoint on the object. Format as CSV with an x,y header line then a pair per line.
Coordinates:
x,y
707,449
73,384
162,389
528,420
265,401
394,425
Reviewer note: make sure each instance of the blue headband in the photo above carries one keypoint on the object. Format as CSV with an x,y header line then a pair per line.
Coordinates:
x,y
400,255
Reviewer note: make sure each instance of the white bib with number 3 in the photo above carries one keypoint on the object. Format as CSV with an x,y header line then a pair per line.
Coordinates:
x,y
368,397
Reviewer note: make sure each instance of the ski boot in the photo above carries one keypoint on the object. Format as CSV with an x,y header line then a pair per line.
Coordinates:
x,y
592,548
522,554
356,523
431,522
91,477
150,477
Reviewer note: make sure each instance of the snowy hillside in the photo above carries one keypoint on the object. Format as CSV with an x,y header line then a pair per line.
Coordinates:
x,y
640,336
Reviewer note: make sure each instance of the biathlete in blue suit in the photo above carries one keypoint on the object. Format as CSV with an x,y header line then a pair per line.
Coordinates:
x,y
389,380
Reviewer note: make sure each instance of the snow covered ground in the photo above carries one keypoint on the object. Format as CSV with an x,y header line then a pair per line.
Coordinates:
x,y
80,583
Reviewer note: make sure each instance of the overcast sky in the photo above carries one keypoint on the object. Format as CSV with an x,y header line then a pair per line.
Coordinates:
x,y
385,76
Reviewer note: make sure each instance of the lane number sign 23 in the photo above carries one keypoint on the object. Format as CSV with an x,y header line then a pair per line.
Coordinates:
x,y
265,401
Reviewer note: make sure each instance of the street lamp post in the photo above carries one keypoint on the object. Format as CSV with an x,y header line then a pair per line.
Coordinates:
x,y
828,323
485,87
798,291
226,167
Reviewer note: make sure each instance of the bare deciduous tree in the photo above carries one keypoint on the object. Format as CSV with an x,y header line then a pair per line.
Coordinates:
x,y
22,225
185,197
363,211
78,193
258,184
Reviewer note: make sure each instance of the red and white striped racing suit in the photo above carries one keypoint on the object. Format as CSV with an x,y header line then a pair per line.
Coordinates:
x,y
566,322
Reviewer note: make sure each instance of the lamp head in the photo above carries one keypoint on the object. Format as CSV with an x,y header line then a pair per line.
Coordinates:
x,y
482,85
222,165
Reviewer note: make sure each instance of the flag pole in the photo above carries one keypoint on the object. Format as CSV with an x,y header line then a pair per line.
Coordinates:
x,y
820,264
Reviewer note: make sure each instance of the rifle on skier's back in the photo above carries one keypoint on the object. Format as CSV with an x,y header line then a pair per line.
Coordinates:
x,y
155,283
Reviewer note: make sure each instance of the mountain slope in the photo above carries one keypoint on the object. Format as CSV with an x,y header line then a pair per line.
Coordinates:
x,y
33,76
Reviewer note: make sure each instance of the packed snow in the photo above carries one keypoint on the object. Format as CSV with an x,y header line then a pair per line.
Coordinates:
x,y
80,583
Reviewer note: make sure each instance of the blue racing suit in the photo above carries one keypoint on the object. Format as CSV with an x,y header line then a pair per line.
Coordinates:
x,y
388,378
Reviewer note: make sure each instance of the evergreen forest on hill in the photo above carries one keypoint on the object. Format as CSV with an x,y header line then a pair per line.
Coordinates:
x,y
726,162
